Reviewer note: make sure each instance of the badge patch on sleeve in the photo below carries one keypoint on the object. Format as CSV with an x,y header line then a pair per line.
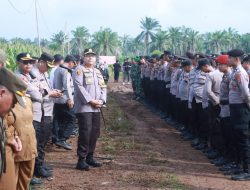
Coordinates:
x,y
78,72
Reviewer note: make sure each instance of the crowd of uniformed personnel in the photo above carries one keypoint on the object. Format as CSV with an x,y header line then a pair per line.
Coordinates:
x,y
41,100
206,97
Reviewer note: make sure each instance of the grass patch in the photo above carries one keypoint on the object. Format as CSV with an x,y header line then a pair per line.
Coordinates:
x,y
116,145
115,118
119,127
154,180
153,160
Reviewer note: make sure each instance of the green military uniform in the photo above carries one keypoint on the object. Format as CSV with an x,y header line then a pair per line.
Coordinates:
x,y
136,78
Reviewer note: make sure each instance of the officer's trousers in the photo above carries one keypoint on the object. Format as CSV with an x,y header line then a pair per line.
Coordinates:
x,y
43,133
195,120
7,178
185,114
229,148
215,134
126,76
167,102
89,131
65,122
240,116
24,173
116,75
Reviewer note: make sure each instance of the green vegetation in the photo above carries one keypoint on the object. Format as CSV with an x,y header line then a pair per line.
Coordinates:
x,y
152,39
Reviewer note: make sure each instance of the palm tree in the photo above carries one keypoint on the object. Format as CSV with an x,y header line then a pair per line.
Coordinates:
x,y
149,27
135,47
58,40
192,38
175,37
80,39
245,42
159,40
125,40
106,42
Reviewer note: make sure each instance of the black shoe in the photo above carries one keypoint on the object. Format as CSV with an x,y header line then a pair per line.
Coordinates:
x,y
213,154
195,142
48,168
82,165
241,177
227,167
205,149
201,146
41,172
92,162
74,133
234,171
219,162
36,181
64,145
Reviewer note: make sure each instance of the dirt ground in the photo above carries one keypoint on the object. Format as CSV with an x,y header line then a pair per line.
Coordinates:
x,y
139,151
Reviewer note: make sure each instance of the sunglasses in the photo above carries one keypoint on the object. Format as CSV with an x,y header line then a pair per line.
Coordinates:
x,y
26,62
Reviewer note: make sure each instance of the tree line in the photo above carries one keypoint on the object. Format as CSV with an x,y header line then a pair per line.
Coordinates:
x,y
153,38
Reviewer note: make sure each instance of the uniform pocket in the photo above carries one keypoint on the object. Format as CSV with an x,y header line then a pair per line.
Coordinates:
x,y
88,78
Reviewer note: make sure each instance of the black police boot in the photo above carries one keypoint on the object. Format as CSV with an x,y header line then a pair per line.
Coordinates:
x,y
41,172
235,170
245,176
82,165
195,142
92,162
46,167
64,145
35,181
201,146
227,167
213,154
219,161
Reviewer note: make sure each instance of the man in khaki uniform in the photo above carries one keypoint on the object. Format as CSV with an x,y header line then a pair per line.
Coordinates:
x,y
25,159
11,92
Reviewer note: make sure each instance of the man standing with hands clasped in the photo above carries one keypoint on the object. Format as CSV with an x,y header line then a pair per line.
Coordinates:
x,y
89,97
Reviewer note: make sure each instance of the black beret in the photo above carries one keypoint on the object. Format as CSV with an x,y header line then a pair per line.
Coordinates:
x,y
69,58
202,62
186,62
190,55
235,53
58,58
13,84
167,53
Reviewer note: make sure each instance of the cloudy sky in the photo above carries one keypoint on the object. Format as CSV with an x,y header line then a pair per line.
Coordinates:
x,y
122,16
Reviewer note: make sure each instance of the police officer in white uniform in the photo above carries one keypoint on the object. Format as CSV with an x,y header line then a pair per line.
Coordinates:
x,y
90,95
239,102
